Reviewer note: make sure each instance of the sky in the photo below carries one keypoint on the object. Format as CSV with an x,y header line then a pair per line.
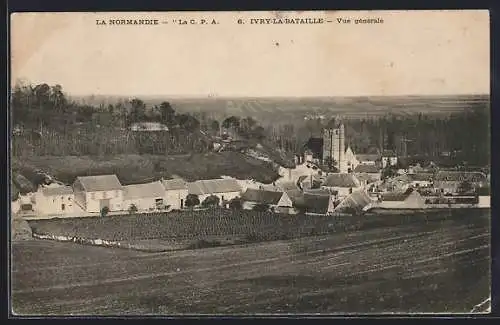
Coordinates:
x,y
410,53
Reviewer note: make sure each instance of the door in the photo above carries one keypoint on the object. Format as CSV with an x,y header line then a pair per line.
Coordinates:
x,y
104,203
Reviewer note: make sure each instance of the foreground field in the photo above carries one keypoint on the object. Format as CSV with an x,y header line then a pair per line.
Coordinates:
x,y
416,267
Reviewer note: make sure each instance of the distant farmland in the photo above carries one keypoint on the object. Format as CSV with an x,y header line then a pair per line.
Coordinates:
x,y
292,108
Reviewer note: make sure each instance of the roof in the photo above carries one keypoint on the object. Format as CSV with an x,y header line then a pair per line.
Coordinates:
x,y
174,184
315,203
262,196
458,176
320,191
396,196
59,190
421,176
148,126
362,168
139,191
100,183
288,186
367,157
23,184
214,186
341,180
294,195
388,153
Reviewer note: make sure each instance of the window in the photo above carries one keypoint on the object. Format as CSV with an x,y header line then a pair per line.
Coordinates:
x,y
62,207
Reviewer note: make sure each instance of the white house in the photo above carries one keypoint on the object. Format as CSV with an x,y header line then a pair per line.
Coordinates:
x,y
277,201
389,158
176,191
368,159
145,197
148,127
343,183
407,200
93,193
224,189
54,200
368,173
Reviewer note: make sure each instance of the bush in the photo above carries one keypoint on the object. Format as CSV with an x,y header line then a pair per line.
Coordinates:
x,y
211,201
132,209
236,204
192,200
104,211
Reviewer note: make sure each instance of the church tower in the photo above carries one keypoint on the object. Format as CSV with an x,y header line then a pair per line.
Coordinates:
x,y
334,145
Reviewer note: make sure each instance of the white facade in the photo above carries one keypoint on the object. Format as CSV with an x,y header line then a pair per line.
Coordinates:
x,y
144,204
351,160
52,201
97,200
176,198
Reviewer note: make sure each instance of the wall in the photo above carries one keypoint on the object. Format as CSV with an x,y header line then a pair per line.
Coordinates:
x,y
80,196
414,201
115,200
15,206
142,204
484,202
47,205
227,196
174,197
285,201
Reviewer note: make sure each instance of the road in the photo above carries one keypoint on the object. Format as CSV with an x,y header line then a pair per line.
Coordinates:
x,y
440,267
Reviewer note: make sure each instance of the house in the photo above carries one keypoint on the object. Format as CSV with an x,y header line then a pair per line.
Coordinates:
x,y
368,159
145,197
451,181
358,200
148,127
224,189
318,204
401,200
93,193
352,161
176,191
367,173
343,183
389,158
276,200
421,179
54,200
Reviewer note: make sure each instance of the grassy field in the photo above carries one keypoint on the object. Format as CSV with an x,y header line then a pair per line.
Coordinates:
x,y
139,168
416,267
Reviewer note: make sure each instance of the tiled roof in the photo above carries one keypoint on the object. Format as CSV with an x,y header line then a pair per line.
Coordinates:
x,y
421,176
213,186
59,190
341,180
262,196
315,203
362,168
139,191
23,184
367,157
100,183
458,176
174,184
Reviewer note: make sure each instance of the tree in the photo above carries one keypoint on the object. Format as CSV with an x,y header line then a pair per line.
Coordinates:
x,y
388,172
231,122
261,207
138,112
211,201
214,126
188,122
236,204
132,209
167,113
192,200
104,211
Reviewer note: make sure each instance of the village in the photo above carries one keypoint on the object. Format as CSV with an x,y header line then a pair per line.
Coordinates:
x,y
328,179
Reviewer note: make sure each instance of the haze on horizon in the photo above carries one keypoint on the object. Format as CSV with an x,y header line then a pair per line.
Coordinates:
x,y
411,53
